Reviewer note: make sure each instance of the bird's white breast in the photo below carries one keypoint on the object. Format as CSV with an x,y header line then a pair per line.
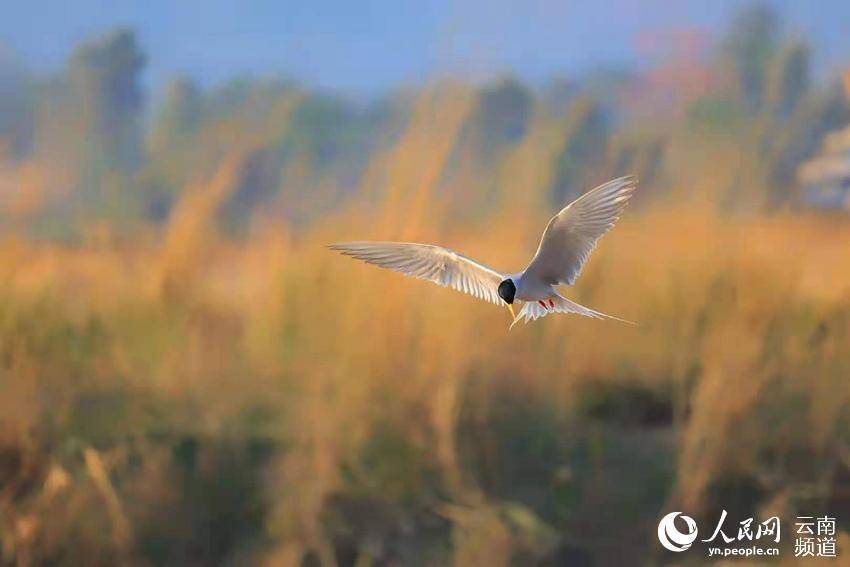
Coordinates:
x,y
531,289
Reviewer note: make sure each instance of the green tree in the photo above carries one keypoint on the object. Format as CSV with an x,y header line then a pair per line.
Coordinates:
x,y
16,112
103,77
748,49
789,79
586,135
503,112
179,115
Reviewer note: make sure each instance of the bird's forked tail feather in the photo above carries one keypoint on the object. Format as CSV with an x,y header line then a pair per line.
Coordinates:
x,y
557,303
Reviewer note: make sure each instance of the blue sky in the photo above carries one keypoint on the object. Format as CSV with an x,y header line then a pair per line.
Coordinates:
x,y
367,45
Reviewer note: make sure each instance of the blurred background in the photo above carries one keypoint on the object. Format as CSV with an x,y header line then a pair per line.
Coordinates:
x,y
190,378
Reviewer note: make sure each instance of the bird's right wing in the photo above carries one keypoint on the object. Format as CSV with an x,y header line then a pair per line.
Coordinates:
x,y
428,262
572,234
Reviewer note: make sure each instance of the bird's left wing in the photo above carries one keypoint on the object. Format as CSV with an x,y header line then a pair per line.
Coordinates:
x,y
428,262
572,234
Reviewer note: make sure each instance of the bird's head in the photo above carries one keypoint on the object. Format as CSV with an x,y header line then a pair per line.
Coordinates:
x,y
507,291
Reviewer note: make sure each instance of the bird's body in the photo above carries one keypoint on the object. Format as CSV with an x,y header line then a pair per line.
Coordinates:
x,y
567,242
531,289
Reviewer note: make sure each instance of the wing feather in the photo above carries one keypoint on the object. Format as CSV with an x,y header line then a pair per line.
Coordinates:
x,y
427,262
572,234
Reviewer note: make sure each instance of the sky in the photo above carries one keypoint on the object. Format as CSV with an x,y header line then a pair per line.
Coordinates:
x,y
369,45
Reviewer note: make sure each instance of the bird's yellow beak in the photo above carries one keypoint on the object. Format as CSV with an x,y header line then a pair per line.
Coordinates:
x,y
511,309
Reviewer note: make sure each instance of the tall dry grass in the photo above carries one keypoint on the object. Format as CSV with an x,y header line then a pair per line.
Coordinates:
x,y
189,398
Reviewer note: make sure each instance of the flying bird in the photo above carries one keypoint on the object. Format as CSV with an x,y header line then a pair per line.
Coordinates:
x,y
565,246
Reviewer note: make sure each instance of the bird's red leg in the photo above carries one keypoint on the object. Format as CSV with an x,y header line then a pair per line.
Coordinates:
x,y
543,305
551,303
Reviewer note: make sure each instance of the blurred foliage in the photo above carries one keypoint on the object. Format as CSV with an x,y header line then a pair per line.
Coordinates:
x,y
107,156
189,377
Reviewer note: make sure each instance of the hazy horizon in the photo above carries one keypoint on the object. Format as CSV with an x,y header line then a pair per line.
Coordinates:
x,y
370,47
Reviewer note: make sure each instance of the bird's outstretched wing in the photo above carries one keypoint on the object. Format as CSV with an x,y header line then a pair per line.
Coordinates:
x,y
572,234
428,262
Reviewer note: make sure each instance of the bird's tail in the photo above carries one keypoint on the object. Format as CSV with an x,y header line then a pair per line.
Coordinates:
x,y
557,303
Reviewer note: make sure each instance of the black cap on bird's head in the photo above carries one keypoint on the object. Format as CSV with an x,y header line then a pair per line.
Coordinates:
x,y
507,291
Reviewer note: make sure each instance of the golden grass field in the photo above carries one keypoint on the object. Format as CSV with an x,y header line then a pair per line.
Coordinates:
x,y
183,396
